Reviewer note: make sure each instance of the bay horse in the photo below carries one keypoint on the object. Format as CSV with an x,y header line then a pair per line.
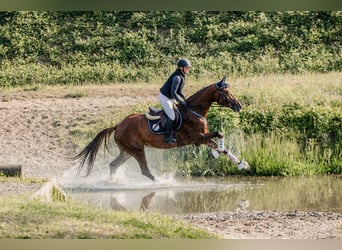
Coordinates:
x,y
132,133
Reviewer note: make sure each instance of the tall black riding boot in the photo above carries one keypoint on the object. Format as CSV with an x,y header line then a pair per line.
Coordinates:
x,y
169,132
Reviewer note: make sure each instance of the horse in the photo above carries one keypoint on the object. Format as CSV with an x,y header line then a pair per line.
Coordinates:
x,y
132,134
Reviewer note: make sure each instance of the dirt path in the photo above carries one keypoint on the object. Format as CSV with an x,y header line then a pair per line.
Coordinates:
x,y
271,224
35,125
35,129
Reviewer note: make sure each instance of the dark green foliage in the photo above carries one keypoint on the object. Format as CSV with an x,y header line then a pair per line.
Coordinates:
x,y
135,44
316,123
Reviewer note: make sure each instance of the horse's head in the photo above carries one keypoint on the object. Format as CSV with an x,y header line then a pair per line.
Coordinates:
x,y
225,96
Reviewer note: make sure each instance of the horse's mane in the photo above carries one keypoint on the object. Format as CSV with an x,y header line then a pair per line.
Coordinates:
x,y
198,92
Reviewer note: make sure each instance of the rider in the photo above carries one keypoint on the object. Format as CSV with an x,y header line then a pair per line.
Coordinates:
x,y
170,92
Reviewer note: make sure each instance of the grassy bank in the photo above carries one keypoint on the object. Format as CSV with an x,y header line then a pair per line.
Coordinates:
x,y
24,218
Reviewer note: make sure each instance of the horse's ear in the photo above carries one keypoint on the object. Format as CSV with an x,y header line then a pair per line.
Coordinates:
x,y
221,84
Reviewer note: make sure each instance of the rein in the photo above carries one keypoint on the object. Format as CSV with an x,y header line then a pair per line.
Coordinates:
x,y
219,86
196,114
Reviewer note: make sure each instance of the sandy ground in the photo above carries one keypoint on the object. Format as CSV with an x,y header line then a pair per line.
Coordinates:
x,y
35,125
34,133
271,224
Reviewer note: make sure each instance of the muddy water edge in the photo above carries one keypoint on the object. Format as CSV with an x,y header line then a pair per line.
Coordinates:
x,y
205,195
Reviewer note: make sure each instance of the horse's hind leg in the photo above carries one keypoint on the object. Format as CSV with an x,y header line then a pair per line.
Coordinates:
x,y
122,158
139,155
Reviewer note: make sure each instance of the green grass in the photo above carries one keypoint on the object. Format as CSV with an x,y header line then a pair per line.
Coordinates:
x,y
279,155
22,218
4,179
74,95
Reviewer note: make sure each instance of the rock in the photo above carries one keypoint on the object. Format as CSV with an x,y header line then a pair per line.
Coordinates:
x,y
10,170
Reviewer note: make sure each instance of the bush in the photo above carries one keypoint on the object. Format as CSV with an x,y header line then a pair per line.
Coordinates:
x,y
219,43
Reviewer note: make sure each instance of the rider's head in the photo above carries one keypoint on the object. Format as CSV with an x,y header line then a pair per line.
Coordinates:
x,y
184,65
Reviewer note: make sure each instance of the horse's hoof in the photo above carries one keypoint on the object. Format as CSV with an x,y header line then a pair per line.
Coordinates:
x,y
157,180
215,153
243,165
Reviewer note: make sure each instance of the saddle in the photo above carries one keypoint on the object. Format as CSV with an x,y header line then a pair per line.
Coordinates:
x,y
156,120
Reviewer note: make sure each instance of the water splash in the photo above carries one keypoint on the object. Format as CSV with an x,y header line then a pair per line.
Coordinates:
x,y
127,177
128,189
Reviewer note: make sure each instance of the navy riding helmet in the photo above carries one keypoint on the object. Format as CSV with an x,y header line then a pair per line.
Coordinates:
x,y
183,63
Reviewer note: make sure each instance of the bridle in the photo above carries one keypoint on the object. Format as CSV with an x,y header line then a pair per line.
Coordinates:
x,y
222,95
220,87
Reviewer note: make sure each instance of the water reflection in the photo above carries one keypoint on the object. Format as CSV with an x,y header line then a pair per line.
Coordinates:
x,y
200,195
144,206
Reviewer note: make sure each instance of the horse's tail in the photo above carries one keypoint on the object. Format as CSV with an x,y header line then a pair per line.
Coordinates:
x,y
88,154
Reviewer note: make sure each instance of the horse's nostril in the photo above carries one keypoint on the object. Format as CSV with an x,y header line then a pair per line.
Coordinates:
x,y
237,107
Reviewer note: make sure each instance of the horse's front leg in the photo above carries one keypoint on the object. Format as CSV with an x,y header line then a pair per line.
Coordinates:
x,y
206,138
241,164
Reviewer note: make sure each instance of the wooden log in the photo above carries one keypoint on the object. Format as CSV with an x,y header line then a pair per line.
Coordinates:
x,y
10,170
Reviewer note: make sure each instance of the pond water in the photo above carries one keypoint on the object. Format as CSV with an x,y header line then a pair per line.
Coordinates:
x,y
200,195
